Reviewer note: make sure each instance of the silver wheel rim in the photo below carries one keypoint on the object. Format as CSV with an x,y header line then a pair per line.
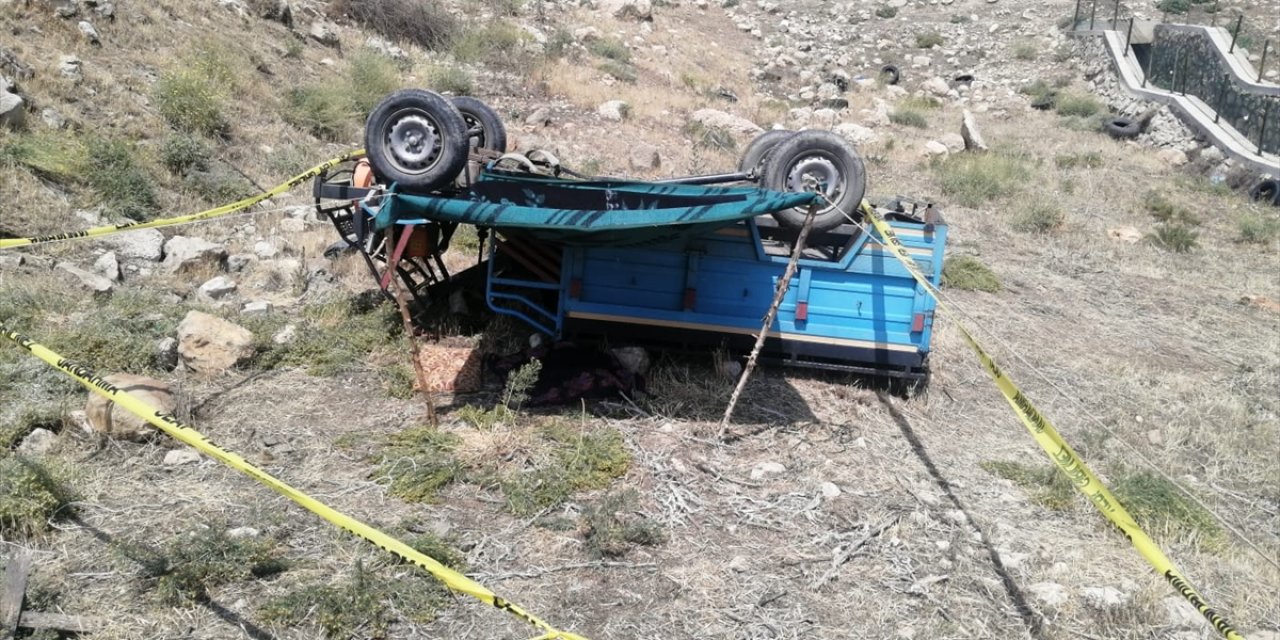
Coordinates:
x,y
824,172
413,141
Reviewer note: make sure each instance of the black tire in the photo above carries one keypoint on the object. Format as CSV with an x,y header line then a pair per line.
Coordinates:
x,y
416,139
1266,192
890,74
493,135
1121,128
753,158
823,155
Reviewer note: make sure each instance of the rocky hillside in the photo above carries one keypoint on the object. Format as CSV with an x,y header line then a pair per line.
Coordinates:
x,y
1128,286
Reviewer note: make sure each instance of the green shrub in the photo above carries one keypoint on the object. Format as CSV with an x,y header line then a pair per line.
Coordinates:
x,y
372,76
1258,229
580,461
1160,508
361,606
974,180
440,550
428,23
332,337
323,110
54,156
499,43
124,188
1174,236
611,48
182,153
619,70
886,12
966,273
908,117
191,97
1048,486
1078,105
559,43
609,531
919,103
1164,210
419,462
928,40
1026,50
1036,89
31,493
1039,217
960,18
189,566
448,78
219,185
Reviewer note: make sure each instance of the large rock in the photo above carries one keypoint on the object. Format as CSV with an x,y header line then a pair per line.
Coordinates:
x,y
970,134
145,245
218,287
182,253
936,86
89,32
12,113
856,134
615,110
104,416
87,279
325,33
714,119
207,344
629,9
37,443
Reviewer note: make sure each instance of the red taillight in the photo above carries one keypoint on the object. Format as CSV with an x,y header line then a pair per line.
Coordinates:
x,y
575,288
917,323
802,311
690,298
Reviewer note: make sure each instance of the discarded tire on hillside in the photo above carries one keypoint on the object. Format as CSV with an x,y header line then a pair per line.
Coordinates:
x,y
822,158
890,74
416,139
1266,192
753,158
1121,128
492,133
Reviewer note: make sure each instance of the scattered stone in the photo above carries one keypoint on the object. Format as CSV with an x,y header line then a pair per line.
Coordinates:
x,y
88,280
145,245
1050,594
629,9
954,142
285,335
1172,157
182,253
12,65
52,118
243,532
178,457
829,490
385,48
89,33
644,157
1127,235
1104,597
167,353
12,111
767,469
11,261
540,117
292,226
37,443
856,134
266,250
325,33
218,287
104,416
280,11
1155,437
973,140
237,262
739,564
1211,155
108,266
67,10
208,344
715,119
1180,613
71,68
257,308
614,110
934,148
936,86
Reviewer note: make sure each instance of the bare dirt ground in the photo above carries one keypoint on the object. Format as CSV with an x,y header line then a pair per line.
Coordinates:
x,y
882,523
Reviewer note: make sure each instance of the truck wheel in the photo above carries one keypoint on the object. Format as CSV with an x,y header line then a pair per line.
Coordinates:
x,y
826,158
493,135
1266,192
890,74
1121,128
416,139
753,158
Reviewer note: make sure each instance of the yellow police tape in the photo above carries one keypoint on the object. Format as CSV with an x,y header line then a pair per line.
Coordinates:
x,y
1075,469
223,210
187,435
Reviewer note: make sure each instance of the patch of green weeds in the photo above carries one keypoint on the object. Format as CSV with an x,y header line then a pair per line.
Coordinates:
x,y
192,96
371,76
579,461
497,44
919,103
1174,6
610,529
967,273
1164,210
123,187
331,110
1079,105
185,569
610,48
960,18
53,156
1161,508
31,493
621,71
1258,229
908,117
1175,237
440,550
332,337
219,184
181,153
1036,89
1087,160
928,40
559,44
714,138
1026,50
1048,486
974,180
1039,217
886,12
294,46
451,78
360,606
419,462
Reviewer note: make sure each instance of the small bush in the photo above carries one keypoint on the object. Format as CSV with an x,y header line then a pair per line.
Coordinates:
x,y
499,44
908,117
610,532
976,179
886,12
620,71
448,78
361,606
53,156
1174,6
419,462
1258,229
294,47
182,153
1087,159
1159,507
123,186
928,40
1078,105
920,103
219,185
559,43
966,273
31,493
1040,217
323,110
1036,89
188,567
1048,486
372,76
580,461
191,98
1026,50
611,48
1174,236
1166,211
428,23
